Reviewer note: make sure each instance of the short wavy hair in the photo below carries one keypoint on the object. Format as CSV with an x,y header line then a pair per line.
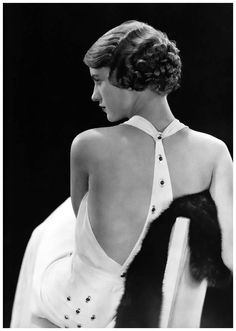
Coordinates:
x,y
139,57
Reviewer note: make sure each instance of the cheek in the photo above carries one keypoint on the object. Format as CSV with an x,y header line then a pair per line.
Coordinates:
x,y
115,98
110,95
106,92
125,100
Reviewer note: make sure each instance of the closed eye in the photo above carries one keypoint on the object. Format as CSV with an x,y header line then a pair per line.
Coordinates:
x,y
96,78
97,81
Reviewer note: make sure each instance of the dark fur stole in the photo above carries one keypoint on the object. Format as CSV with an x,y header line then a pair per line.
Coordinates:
x,y
141,302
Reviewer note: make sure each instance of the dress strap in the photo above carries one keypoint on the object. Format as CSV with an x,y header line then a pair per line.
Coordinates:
x,y
161,194
146,126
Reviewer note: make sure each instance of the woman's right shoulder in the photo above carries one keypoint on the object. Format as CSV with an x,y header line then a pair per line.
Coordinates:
x,y
85,137
92,136
97,141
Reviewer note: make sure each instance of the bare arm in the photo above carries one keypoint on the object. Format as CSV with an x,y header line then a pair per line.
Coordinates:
x,y
79,170
221,190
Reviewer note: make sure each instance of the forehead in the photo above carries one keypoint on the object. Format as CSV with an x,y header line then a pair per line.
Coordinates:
x,y
101,72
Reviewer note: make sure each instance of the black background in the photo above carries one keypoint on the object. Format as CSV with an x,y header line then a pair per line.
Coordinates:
x,y
47,103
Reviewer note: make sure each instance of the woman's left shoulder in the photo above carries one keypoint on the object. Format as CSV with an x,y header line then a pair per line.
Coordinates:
x,y
206,141
204,137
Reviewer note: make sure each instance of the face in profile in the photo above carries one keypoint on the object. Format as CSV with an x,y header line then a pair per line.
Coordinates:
x,y
114,101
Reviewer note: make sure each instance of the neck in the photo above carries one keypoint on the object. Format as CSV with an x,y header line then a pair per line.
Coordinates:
x,y
154,108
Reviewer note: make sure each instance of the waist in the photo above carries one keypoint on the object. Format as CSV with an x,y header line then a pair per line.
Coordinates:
x,y
74,294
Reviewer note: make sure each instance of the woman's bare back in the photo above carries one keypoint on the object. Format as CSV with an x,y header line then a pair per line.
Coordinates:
x,y
121,177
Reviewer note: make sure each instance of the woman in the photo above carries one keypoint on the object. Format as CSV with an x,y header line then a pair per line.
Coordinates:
x,y
87,273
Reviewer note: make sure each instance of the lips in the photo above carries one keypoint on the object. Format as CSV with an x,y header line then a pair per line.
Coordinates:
x,y
103,107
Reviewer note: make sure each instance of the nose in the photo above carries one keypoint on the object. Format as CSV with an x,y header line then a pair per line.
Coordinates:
x,y
95,95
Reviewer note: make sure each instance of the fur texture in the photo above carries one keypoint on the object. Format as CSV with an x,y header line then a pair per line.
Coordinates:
x,y
141,302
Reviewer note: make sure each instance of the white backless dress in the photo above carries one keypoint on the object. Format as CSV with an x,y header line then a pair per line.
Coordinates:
x,y
68,280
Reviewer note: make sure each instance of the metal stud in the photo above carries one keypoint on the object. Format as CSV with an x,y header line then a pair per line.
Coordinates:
x,y
93,317
160,158
162,182
77,311
68,298
159,137
153,209
123,275
79,325
88,298
66,317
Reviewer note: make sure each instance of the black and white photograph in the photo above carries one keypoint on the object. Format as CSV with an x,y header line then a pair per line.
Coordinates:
x,y
117,165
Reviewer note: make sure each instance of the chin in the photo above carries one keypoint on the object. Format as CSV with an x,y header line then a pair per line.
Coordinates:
x,y
114,118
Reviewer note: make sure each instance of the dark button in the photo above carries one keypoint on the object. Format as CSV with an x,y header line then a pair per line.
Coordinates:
x,y
77,311
93,317
160,158
153,209
79,325
162,182
88,298
66,317
159,137
123,275
68,298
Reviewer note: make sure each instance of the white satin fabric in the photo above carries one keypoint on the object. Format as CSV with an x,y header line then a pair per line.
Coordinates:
x,y
68,281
